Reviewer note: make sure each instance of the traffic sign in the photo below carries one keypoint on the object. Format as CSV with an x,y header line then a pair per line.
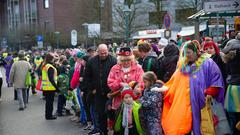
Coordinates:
x,y
167,20
74,37
39,38
216,6
167,33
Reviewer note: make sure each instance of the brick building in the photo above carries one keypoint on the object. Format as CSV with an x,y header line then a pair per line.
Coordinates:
x,y
53,15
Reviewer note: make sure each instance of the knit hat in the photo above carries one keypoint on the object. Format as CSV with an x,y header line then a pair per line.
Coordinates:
x,y
209,44
125,51
80,54
163,42
127,91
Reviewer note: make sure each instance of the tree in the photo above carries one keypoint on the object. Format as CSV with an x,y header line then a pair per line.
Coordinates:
x,y
157,17
136,20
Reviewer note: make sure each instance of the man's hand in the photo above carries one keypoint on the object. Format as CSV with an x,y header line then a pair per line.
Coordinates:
x,y
94,91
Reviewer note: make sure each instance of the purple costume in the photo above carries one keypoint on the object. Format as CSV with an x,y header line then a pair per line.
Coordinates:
x,y
208,75
7,66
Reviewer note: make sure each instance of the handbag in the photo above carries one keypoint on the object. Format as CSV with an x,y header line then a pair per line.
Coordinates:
x,y
222,127
207,126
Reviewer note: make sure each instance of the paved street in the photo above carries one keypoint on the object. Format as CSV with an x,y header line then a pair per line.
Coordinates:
x,y
31,121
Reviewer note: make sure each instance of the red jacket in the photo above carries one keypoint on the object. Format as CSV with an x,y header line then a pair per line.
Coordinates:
x,y
116,76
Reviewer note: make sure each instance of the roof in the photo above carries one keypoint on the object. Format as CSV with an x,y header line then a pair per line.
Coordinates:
x,y
190,30
202,14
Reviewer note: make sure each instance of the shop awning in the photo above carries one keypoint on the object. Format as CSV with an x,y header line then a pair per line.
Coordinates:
x,y
204,15
190,30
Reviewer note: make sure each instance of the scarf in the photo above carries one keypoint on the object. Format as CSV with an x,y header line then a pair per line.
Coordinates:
x,y
127,117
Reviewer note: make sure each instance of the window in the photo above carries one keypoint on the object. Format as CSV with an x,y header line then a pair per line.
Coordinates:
x,y
46,3
46,25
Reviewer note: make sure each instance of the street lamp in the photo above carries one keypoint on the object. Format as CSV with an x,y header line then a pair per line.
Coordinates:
x,y
85,25
127,13
57,33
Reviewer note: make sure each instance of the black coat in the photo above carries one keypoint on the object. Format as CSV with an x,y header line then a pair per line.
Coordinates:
x,y
96,74
222,66
233,69
168,63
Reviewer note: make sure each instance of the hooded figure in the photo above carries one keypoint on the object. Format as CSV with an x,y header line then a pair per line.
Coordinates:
x,y
168,62
196,76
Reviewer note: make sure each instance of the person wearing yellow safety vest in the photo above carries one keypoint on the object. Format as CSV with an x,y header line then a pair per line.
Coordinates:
x,y
37,61
49,85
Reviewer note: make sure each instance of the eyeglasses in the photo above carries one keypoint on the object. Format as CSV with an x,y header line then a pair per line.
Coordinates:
x,y
126,60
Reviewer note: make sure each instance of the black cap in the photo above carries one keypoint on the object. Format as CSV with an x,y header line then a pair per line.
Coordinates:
x,y
125,51
91,48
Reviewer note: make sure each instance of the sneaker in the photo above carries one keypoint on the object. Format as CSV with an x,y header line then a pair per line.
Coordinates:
x,y
94,132
68,113
21,109
88,127
51,118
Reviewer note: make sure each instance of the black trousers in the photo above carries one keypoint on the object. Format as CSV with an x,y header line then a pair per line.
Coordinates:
x,y
87,107
1,81
49,103
101,114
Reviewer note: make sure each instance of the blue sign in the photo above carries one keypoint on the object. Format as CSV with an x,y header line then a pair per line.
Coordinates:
x,y
167,20
39,38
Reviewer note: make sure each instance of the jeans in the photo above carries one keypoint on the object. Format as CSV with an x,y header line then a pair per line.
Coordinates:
x,y
22,97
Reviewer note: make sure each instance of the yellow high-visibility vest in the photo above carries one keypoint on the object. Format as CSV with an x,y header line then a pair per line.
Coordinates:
x,y
38,61
15,59
5,55
46,84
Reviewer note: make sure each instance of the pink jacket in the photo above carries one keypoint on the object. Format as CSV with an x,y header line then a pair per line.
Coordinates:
x,y
116,76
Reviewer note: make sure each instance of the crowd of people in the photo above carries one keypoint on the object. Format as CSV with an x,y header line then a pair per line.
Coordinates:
x,y
153,88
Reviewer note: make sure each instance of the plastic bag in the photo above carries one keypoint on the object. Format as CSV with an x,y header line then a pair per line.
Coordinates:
x,y
28,80
207,126
222,127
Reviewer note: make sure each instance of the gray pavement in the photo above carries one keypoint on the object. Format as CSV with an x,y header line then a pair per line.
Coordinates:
x,y
31,121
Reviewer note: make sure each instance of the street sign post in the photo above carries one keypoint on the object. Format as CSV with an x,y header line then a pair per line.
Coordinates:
x,y
227,5
40,41
40,44
167,20
74,37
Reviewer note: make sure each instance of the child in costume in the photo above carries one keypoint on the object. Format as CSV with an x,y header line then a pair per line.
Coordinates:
x,y
128,120
65,96
151,102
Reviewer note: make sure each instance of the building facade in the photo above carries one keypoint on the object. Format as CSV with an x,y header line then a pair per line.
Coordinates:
x,y
51,16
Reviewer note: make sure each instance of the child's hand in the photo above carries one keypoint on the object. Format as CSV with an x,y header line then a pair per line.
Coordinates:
x,y
162,89
123,84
